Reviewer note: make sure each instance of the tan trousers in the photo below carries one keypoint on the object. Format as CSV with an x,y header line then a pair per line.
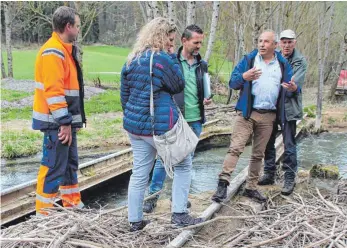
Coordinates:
x,y
261,126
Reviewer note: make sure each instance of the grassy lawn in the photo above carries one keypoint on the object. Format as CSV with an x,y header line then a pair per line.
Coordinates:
x,y
8,114
102,130
96,61
108,101
13,95
104,124
103,111
15,143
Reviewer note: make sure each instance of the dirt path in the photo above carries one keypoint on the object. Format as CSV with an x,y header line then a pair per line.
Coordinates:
x,y
29,86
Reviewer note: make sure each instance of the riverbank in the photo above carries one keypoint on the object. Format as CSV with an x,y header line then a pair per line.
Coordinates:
x,y
104,118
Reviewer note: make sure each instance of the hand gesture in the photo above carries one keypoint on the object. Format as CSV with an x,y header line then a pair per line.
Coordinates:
x,y
252,74
290,86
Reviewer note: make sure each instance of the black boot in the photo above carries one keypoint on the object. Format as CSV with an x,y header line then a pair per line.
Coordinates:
x,y
221,192
267,179
288,186
254,194
137,226
184,219
149,205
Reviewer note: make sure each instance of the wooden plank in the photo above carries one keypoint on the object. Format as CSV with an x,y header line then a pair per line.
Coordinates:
x,y
19,201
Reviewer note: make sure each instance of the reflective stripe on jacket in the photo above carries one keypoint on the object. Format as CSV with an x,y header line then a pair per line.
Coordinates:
x,y
59,90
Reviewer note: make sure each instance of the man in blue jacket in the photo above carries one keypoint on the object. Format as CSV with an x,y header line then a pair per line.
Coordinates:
x,y
293,112
190,101
259,77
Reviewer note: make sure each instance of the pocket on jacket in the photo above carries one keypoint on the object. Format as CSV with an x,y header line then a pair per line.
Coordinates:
x,y
49,149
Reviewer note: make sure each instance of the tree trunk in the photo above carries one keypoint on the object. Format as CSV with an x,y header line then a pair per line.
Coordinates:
x,y
78,43
149,9
165,9
8,31
296,9
155,9
342,60
214,23
191,13
322,55
236,48
3,71
277,15
269,21
281,20
172,12
143,11
256,25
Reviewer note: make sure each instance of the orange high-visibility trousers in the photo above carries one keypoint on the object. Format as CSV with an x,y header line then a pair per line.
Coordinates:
x,y
58,170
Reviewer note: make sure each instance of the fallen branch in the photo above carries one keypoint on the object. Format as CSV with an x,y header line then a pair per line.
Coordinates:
x,y
269,241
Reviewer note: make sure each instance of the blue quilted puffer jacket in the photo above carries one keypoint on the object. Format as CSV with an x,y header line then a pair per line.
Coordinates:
x,y
136,89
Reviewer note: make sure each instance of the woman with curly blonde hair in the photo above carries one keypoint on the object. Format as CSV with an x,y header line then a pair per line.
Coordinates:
x,y
154,35
158,37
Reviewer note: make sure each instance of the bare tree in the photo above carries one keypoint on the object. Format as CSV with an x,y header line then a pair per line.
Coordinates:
x,y
322,56
281,20
8,33
256,20
341,61
89,12
155,9
236,47
279,17
149,9
3,71
143,11
214,23
172,11
269,14
78,44
191,12
165,9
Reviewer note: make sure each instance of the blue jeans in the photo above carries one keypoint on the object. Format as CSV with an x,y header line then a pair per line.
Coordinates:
x,y
144,154
159,173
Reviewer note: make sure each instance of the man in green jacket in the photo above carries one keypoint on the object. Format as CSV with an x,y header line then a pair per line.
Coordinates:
x,y
293,112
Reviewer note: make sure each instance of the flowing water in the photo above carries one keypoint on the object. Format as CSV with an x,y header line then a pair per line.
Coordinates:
x,y
22,170
327,148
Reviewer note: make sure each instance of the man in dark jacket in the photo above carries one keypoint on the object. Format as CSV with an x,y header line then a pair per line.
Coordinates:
x,y
293,112
190,101
258,76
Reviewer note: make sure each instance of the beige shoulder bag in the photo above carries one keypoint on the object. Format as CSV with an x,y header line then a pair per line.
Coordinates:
x,y
176,144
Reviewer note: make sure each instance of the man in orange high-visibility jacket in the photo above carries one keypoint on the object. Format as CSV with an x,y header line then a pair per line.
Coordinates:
x,y
58,112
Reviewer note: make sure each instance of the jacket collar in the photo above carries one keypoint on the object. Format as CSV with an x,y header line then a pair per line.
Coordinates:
x,y
179,52
67,46
278,54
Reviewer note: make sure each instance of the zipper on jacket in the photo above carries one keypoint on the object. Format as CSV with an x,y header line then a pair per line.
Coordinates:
x,y
199,77
250,103
81,85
